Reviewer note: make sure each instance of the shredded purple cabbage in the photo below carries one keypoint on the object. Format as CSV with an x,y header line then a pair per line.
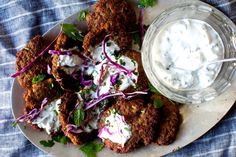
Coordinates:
x,y
94,102
32,114
56,52
49,70
36,59
71,128
114,78
109,59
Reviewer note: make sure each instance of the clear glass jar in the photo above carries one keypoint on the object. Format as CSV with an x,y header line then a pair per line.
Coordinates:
x,y
227,32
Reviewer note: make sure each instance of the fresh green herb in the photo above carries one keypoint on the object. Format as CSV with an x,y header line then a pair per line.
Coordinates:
x,y
133,61
118,82
127,129
48,143
55,111
27,49
117,55
108,44
147,3
78,116
152,88
113,111
38,78
14,124
158,103
60,139
135,73
72,32
91,148
82,15
136,38
122,62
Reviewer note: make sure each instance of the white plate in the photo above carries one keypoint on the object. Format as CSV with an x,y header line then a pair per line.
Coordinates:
x,y
197,119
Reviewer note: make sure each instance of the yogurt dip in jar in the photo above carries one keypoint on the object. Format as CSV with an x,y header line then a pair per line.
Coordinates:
x,y
177,47
180,48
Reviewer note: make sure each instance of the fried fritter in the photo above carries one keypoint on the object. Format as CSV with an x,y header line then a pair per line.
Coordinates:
x,y
117,11
34,96
141,117
170,121
116,18
26,56
64,42
69,100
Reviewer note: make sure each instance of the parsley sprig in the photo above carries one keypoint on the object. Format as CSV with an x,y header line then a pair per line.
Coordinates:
x,y
38,78
82,15
71,31
147,3
78,116
91,148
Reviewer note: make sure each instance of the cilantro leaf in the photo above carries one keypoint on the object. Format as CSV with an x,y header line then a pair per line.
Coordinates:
x,y
48,143
152,88
60,139
158,103
78,116
14,124
71,31
147,3
38,78
82,15
122,62
91,148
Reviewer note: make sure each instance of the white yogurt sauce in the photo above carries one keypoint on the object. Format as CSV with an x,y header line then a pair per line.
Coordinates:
x,y
69,63
116,129
48,119
124,80
180,48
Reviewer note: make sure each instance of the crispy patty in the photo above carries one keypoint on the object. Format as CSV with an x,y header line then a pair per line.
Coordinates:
x,y
118,11
170,121
69,100
34,96
113,17
141,117
26,56
142,83
64,42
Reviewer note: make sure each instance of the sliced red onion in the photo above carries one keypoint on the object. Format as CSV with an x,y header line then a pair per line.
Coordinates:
x,y
37,58
114,78
49,70
141,14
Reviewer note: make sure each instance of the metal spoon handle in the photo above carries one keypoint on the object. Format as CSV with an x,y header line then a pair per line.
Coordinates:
x,y
217,61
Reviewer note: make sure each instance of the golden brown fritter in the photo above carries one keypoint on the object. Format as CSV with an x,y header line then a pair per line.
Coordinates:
x,y
69,100
118,11
119,35
141,117
170,121
64,42
26,56
114,17
34,96
142,83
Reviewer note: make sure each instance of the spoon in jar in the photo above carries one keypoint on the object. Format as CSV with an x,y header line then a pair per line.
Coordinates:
x,y
208,63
